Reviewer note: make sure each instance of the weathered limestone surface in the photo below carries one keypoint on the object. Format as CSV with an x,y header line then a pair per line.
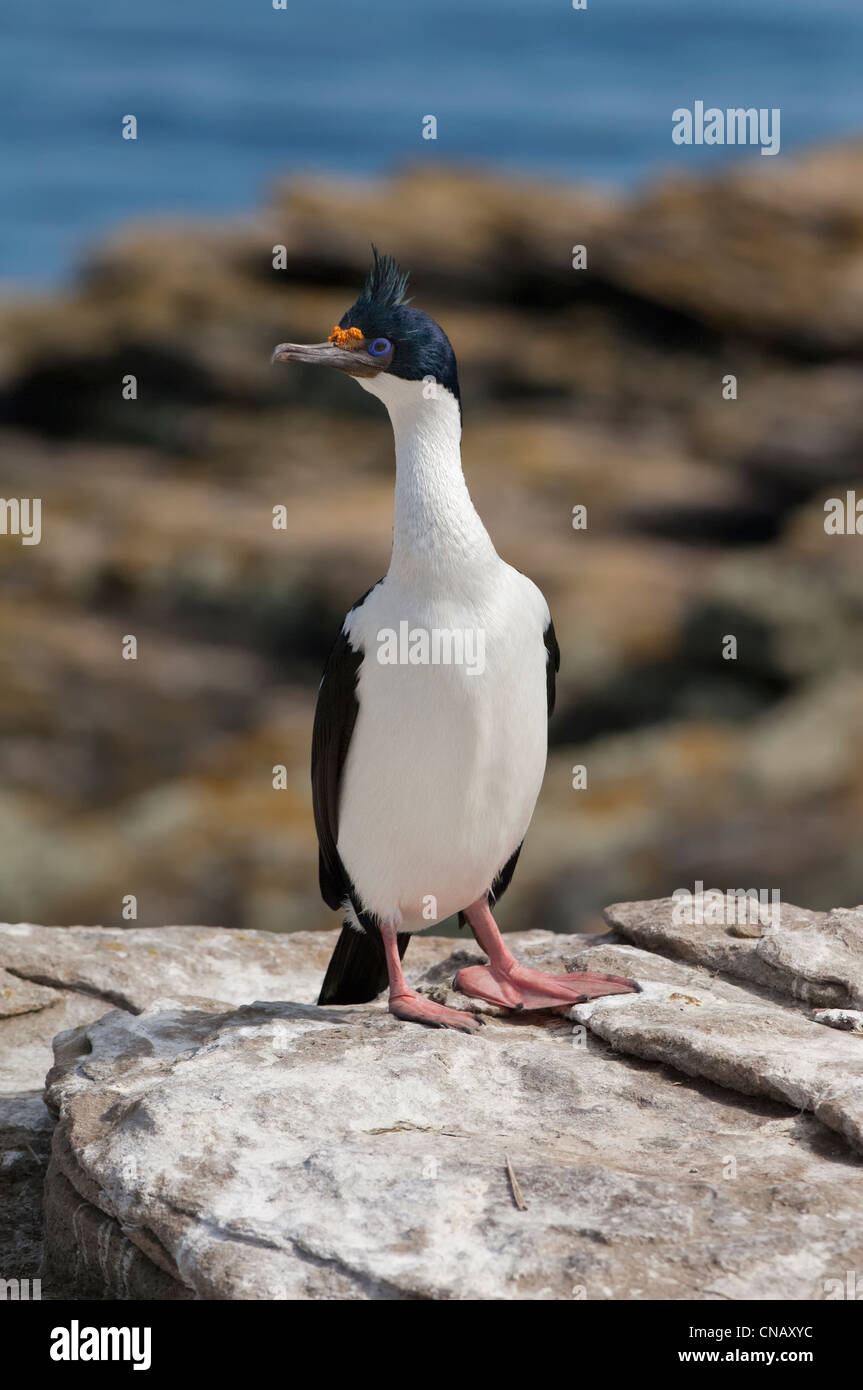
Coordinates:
x,y
850,1020
30,1016
699,1140
722,1032
814,956
282,1151
53,979
133,966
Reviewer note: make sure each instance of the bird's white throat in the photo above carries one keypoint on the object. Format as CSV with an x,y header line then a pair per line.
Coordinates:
x,y
436,527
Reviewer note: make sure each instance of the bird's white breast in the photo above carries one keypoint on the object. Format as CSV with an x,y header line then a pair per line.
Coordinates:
x,y
446,760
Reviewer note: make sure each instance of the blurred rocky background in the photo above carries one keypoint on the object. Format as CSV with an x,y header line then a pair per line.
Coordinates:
x,y
599,387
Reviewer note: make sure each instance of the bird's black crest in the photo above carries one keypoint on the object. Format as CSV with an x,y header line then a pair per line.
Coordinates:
x,y
420,347
385,286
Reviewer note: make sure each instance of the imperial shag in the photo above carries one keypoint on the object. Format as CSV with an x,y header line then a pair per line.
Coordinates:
x,y
426,765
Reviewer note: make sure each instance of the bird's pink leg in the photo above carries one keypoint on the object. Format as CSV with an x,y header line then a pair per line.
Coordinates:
x,y
415,1008
514,986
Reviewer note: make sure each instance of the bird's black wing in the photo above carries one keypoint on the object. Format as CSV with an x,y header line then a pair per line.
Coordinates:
x,y
552,665
335,717
502,882
357,971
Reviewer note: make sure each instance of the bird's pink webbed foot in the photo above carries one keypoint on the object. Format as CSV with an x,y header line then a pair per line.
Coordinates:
x,y
522,988
407,1004
415,1008
511,985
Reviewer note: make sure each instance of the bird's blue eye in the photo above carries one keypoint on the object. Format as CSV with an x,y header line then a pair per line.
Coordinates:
x,y
380,347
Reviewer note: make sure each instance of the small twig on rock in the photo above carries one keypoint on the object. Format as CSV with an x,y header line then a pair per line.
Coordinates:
x,y
513,1182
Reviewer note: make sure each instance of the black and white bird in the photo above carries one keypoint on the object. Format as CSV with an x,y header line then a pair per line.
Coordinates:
x,y
430,734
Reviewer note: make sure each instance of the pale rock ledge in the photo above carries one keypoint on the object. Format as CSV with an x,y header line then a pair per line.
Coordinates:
x,y
700,1140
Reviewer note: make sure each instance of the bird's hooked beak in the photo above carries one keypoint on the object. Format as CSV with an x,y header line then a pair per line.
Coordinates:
x,y
345,350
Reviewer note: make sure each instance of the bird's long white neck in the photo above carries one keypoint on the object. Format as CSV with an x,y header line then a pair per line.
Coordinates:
x,y
436,528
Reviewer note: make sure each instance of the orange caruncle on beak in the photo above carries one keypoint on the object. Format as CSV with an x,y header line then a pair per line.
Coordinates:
x,y
346,337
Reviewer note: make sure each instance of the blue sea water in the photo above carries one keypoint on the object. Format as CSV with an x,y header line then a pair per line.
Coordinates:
x,y
230,94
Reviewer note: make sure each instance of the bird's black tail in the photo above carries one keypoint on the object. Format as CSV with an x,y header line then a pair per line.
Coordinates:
x,y
357,971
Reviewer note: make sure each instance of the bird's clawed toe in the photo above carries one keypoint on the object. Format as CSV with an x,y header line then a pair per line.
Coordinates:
x,y
416,1008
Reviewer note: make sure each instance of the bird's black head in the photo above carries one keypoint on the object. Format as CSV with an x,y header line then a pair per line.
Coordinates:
x,y
407,342
381,332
